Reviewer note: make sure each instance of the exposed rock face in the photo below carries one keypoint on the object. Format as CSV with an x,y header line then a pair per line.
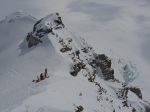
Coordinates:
x,y
108,73
76,68
101,57
137,91
104,63
123,95
32,41
124,91
147,108
42,27
47,25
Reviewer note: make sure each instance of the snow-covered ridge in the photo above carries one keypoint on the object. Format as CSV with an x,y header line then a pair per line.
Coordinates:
x,y
15,17
79,78
44,26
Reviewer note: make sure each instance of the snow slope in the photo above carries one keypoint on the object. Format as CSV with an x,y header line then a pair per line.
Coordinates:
x,y
18,64
61,92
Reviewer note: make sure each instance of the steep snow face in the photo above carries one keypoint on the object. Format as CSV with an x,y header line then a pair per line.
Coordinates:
x,y
77,75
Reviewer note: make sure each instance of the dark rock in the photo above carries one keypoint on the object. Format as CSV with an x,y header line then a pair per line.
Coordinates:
x,y
92,76
91,79
65,49
125,103
101,57
43,27
133,110
79,108
34,27
103,60
74,73
137,91
59,22
122,93
41,32
147,108
69,40
76,68
108,73
77,52
103,65
85,50
32,41
108,61
92,63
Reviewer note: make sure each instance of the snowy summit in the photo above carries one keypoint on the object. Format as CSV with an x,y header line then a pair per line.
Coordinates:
x,y
47,68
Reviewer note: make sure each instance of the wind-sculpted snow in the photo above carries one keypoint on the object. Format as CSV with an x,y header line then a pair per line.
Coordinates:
x,y
78,76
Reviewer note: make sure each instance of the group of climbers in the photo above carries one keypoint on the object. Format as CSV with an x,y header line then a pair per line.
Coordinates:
x,y
42,76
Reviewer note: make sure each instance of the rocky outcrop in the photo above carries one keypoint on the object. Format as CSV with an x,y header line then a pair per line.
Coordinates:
x,y
65,49
104,63
123,94
85,50
79,108
77,68
136,91
42,27
108,73
147,108
32,41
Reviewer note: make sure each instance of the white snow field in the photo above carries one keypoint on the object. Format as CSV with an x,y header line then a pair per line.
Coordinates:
x,y
61,92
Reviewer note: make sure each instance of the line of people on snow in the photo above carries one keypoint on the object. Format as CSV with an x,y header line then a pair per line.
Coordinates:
x,y
42,76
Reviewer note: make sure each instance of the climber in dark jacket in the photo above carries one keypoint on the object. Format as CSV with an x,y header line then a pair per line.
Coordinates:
x,y
42,76
46,73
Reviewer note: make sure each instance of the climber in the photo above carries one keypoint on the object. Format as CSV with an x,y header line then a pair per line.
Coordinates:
x,y
46,73
42,76
37,80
